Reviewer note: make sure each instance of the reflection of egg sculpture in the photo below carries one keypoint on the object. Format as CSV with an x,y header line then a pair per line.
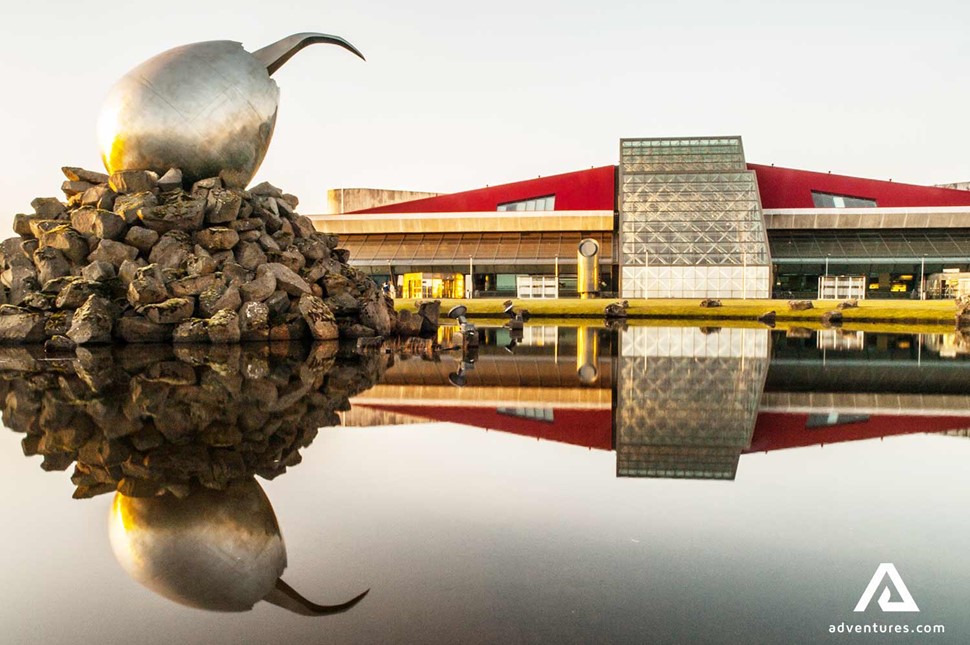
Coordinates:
x,y
215,550
207,108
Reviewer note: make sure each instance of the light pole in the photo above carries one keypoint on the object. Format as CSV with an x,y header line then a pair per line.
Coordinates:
x,y
557,276
744,275
825,283
922,273
646,274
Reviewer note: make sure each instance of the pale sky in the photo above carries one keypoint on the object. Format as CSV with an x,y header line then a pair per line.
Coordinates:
x,y
458,95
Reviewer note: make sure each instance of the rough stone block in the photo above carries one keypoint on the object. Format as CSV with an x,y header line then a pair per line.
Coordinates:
x,y
141,238
222,206
173,310
80,174
218,296
288,280
216,238
68,241
100,223
319,318
127,206
193,285
51,263
137,329
113,253
171,180
76,293
48,207
200,265
253,316
191,331
249,256
181,215
133,181
92,322
172,250
223,327
72,188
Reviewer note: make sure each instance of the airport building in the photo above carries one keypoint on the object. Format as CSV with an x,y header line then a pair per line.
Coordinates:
x,y
674,218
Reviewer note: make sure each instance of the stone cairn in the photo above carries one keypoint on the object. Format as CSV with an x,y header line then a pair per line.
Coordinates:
x,y
138,258
168,419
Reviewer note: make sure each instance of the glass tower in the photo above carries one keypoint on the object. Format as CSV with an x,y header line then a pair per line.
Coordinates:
x,y
691,224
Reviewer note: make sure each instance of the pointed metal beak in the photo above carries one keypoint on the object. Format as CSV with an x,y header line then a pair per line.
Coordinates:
x,y
275,56
288,598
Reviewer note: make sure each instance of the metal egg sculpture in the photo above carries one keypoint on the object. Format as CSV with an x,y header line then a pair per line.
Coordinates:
x,y
214,550
207,108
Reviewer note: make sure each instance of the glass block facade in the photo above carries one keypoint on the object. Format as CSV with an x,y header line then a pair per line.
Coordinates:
x,y
687,400
691,224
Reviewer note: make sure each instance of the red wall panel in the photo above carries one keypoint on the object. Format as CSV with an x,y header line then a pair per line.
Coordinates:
x,y
592,189
788,188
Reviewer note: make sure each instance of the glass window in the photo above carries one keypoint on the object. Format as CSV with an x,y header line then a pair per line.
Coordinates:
x,y
830,200
544,203
505,282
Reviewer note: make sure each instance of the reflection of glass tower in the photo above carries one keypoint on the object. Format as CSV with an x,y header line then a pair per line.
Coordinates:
x,y
687,400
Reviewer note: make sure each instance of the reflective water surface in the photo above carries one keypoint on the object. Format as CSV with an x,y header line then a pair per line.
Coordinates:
x,y
562,484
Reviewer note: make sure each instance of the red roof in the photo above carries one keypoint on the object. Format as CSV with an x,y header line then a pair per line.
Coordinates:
x,y
583,190
788,188
595,189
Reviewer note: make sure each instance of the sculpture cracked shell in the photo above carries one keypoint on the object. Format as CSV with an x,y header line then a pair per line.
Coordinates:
x,y
207,108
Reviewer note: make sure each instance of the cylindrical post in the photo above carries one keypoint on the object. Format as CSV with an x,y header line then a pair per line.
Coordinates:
x,y
587,268
471,278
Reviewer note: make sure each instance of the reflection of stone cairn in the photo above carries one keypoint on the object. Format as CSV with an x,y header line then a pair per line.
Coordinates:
x,y
136,257
153,420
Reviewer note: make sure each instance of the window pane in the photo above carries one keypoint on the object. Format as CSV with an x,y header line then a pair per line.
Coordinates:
x,y
828,200
544,203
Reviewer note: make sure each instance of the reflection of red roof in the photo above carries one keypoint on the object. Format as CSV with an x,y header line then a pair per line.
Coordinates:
x,y
592,428
780,430
587,428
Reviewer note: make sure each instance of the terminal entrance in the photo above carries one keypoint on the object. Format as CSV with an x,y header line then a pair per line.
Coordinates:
x,y
431,285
